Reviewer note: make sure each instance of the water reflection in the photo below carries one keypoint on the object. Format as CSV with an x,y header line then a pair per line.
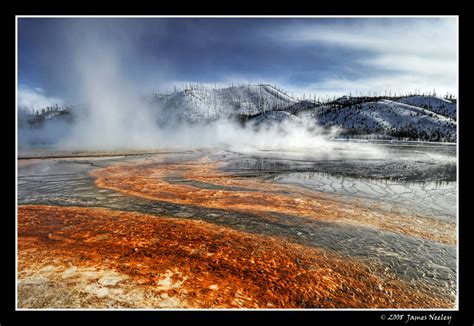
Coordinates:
x,y
410,178
435,198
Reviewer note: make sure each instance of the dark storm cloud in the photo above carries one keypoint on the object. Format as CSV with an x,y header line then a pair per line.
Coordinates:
x,y
313,55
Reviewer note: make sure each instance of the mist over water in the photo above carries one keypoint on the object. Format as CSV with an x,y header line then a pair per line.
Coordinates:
x,y
113,113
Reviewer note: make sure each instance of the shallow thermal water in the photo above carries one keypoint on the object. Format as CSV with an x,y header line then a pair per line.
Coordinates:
x,y
413,180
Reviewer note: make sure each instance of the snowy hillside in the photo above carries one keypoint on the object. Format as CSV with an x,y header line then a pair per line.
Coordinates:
x,y
385,117
204,103
274,117
301,106
435,104
47,114
410,117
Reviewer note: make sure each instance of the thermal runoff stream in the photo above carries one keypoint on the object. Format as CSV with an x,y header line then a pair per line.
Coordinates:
x,y
207,228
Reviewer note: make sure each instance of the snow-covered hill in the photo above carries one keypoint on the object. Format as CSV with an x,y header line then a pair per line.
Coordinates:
x,y
389,118
410,117
275,117
48,114
204,103
301,106
432,103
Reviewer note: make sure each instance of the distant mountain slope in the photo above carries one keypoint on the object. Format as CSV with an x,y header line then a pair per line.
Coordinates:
x,y
47,114
385,117
410,117
301,106
203,103
435,104
273,117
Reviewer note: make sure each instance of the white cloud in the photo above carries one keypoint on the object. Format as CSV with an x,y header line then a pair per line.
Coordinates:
x,y
32,99
403,55
427,67
435,37
401,83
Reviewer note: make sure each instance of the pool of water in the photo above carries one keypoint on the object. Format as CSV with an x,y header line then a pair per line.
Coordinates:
x,y
409,179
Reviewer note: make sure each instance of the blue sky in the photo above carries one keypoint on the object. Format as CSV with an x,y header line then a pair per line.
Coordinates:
x,y
322,56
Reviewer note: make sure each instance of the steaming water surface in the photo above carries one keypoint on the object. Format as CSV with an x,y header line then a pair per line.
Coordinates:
x,y
417,180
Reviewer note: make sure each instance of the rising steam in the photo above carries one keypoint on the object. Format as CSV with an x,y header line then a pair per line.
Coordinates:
x,y
115,116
